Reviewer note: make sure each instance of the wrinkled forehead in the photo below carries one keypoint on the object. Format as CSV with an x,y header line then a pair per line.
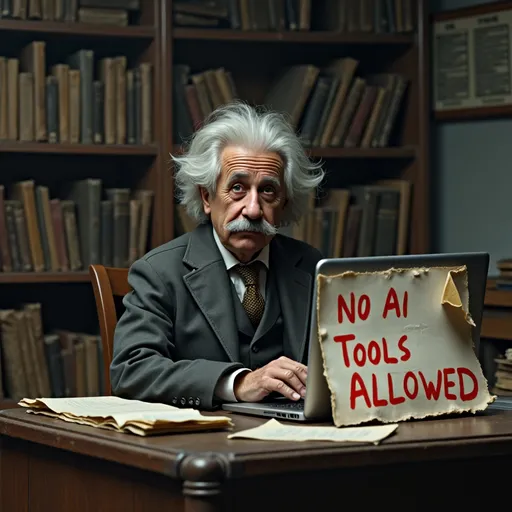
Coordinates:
x,y
238,159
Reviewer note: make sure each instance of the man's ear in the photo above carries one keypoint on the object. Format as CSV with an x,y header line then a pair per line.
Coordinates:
x,y
205,197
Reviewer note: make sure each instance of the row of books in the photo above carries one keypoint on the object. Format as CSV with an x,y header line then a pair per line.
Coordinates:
x,y
261,15
196,95
503,374
328,106
73,104
86,225
369,16
362,220
54,364
109,12
504,277
332,106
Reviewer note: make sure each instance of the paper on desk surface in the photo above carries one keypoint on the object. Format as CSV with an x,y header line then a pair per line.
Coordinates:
x,y
272,430
122,413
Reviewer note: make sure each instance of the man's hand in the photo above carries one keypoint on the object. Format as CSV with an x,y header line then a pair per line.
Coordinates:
x,y
282,375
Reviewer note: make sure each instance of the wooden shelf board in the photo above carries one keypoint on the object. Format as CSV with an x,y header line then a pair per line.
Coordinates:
x,y
76,29
43,277
77,149
291,36
392,152
473,114
496,327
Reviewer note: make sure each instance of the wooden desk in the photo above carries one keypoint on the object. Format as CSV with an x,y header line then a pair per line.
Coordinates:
x,y
50,465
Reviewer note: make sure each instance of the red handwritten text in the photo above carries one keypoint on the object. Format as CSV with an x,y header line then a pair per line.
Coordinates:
x,y
374,353
362,306
383,388
392,390
392,303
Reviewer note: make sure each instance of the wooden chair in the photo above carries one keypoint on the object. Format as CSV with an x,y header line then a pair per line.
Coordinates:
x,y
108,283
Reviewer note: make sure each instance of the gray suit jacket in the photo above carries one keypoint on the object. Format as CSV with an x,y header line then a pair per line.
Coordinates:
x,y
178,336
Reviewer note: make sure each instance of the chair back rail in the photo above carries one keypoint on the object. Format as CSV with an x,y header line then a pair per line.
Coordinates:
x,y
108,283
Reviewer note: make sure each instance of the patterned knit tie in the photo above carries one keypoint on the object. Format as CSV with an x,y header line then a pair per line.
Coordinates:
x,y
253,301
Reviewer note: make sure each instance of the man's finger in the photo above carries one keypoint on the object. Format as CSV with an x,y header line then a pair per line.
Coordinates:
x,y
298,369
290,377
283,389
286,360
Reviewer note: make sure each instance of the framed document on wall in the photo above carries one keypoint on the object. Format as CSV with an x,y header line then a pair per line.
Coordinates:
x,y
472,62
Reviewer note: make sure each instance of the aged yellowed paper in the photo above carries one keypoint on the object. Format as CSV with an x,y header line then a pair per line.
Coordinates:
x,y
135,416
398,344
273,430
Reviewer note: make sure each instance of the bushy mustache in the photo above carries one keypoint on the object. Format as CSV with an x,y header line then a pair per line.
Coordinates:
x,y
255,226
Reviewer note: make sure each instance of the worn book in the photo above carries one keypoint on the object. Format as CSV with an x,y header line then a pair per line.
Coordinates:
x,y
122,415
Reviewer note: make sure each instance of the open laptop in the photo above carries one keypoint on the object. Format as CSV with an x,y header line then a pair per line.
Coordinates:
x,y
316,405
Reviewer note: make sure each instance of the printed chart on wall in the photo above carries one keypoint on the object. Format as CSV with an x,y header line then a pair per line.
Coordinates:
x,y
472,61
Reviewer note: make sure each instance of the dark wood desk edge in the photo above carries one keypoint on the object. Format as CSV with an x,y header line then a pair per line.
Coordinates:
x,y
215,467
201,474
123,452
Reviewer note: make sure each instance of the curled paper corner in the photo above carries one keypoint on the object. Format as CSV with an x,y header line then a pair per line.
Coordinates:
x,y
322,333
451,297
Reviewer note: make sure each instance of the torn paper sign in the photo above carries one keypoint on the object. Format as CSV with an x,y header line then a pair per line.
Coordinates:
x,y
398,344
272,430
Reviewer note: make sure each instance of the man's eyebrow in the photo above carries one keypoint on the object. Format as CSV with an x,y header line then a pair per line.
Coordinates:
x,y
237,176
270,180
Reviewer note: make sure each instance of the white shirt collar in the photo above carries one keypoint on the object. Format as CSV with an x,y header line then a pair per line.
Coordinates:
x,y
230,260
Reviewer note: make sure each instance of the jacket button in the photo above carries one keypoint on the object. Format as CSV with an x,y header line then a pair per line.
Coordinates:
x,y
190,401
198,401
174,400
183,401
255,349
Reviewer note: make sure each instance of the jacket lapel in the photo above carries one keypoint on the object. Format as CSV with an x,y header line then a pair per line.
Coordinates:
x,y
210,286
295,294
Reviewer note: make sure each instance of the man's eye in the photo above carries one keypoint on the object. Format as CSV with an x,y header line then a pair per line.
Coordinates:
x,y
269,190
237,188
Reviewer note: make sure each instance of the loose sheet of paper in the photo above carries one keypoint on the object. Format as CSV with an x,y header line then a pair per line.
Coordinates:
x,y
272,430
398,344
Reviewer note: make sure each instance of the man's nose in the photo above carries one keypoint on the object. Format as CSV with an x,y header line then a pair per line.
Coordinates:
x,y
252,208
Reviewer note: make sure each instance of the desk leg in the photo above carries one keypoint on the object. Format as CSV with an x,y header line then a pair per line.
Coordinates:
x,y
203,476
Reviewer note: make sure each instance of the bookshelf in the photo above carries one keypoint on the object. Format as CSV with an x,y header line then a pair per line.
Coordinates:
x,y
254,58
127,149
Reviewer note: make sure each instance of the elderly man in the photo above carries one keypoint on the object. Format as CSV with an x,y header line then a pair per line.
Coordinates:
x,y
222,313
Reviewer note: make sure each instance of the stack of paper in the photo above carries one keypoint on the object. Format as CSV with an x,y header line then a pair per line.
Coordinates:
x,y
114,413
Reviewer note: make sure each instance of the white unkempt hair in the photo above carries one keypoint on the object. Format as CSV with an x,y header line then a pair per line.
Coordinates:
x,y
254,129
